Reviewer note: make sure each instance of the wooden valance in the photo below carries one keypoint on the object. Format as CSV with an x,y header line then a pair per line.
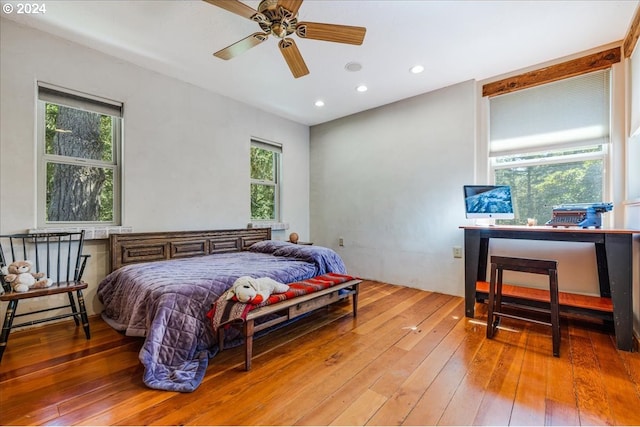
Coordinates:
x,y
575,67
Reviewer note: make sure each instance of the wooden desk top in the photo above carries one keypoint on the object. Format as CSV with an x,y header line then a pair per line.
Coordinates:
x,y
547,228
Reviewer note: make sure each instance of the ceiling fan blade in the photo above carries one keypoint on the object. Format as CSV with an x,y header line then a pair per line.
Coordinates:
x,y
291,5
234,6
241,46
293,57
331,32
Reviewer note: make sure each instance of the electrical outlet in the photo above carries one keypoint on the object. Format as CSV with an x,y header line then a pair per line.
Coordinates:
x,y
340,241
457,252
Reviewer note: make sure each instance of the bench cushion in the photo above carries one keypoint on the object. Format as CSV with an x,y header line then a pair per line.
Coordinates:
x,y
225,311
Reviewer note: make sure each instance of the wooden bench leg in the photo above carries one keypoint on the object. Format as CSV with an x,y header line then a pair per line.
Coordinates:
x,y
221,338
248,343
6,326
355,300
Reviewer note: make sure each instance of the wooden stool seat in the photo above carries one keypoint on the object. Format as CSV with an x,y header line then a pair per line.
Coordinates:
x,y
534,266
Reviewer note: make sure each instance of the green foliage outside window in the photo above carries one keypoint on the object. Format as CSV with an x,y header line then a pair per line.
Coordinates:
x,y
75,192
537,188
264,169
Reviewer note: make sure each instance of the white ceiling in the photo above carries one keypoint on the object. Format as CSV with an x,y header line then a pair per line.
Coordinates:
x,y
454,40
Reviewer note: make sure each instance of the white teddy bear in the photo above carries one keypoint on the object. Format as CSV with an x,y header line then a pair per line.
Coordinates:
x,y
254,291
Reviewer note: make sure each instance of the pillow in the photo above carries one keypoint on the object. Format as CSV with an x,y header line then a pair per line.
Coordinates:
x,y
268,246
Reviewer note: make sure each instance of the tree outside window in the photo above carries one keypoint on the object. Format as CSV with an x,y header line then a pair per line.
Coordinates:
x,y
537,186
78,161
265,179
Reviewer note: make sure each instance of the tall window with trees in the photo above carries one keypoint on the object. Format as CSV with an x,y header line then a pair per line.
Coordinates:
x,y
265,181
550,143
80,140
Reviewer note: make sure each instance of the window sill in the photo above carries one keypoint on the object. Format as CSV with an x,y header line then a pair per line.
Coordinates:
x,y
273,225
90,233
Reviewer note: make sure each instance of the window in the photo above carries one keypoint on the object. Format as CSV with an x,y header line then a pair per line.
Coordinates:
x,y
79,140
265,181
550,142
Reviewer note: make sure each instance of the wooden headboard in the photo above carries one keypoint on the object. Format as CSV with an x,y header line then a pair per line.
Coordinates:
x,y
131,248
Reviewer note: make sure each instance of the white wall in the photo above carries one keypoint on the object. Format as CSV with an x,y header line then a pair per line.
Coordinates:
x,y
389,182
632,168
186,153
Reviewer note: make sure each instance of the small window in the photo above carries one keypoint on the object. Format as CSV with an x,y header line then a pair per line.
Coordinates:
x,y
550,143
80,139
265,181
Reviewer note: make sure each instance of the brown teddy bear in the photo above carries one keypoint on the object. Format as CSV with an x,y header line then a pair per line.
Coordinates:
x,y
19,275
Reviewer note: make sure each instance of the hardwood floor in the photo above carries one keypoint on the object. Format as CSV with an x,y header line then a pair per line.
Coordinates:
x,y
410,358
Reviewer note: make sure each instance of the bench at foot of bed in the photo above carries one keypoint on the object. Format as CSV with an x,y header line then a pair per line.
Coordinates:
x,y
287,310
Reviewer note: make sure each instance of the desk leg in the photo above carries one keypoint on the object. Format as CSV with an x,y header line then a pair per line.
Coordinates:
x,y
471,260
618,250
603,270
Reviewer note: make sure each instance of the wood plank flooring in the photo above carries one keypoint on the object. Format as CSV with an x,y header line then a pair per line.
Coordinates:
x,y
409,358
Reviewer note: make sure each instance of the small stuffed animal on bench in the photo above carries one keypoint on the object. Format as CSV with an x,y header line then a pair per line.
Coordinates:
x,y
255,291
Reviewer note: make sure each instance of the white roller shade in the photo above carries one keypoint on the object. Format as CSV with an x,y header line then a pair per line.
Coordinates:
x,y
567,113
79,100
271,146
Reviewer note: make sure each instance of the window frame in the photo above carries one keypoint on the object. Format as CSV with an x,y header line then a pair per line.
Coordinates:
x,y
602,155
276,183
74,99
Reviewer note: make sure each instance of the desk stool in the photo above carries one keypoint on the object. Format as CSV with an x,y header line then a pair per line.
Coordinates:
x,y
535,266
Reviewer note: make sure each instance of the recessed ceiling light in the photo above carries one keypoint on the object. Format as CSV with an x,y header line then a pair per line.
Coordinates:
x,y
362,88
416,69
319,103
353,66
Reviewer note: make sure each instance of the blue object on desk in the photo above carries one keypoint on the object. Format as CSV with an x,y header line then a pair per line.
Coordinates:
x,y
583,215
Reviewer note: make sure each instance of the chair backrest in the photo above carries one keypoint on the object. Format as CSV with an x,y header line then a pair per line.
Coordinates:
x,y
58,255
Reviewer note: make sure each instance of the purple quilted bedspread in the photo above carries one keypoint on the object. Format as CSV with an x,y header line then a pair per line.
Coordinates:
x,y
166,302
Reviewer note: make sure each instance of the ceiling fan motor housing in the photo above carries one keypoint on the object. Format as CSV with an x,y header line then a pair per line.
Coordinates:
x,y
275,19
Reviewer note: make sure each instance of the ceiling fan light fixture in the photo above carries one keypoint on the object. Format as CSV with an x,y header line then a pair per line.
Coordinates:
x,y
417,69
362,88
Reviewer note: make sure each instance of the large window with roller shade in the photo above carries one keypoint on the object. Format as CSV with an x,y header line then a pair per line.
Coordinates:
x,y
550,144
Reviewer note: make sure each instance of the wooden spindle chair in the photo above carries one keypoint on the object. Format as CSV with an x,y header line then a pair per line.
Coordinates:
x,y
60,257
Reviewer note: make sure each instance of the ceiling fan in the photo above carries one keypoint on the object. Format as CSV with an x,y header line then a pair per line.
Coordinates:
x,y
280,19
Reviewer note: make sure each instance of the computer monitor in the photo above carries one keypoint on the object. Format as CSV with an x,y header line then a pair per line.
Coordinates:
x,y
488,201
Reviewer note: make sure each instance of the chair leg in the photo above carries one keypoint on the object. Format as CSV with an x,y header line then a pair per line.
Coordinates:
x,y
555,311
74,308
83,314
492,295
6,326
498,305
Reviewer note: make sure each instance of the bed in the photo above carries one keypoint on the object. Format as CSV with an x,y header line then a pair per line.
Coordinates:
x,y
161,286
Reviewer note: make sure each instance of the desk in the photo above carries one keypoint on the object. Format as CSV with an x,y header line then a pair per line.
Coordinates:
x,y
614,255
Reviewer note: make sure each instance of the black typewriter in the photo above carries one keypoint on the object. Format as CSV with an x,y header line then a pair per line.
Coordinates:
x,y
583,215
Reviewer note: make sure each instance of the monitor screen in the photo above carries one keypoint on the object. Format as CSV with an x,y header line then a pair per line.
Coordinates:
x,y
488,201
